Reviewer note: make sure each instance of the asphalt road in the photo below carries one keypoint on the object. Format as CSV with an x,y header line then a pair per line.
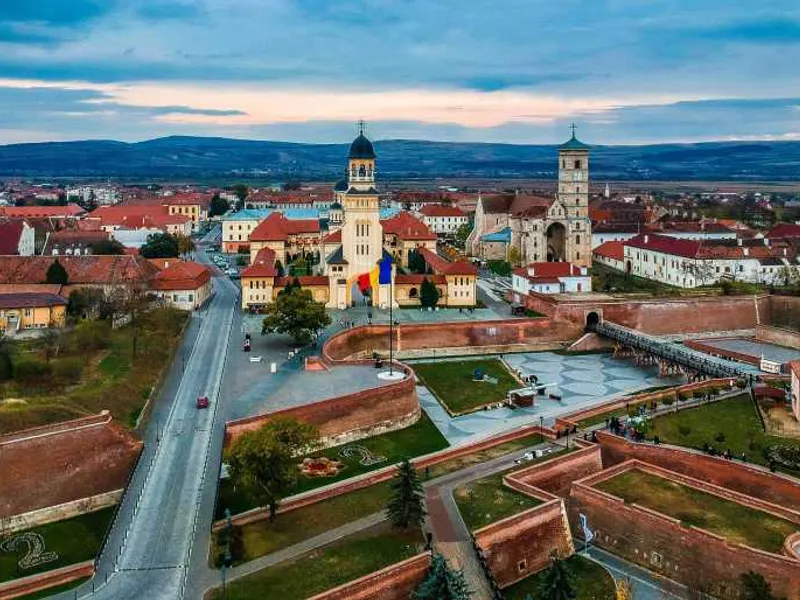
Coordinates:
x,y
150,546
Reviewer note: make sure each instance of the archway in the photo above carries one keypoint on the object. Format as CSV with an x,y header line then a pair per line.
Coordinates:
x,y
359,298
556,243
592,320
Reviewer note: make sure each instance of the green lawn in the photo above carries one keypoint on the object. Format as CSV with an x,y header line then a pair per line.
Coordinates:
x,y
420,438
736,522
452,383
73,540
462,462
487,500
735,419
327,567
295,526
590,581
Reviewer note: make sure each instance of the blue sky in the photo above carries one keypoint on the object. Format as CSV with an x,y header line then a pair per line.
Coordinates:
x,y
626,71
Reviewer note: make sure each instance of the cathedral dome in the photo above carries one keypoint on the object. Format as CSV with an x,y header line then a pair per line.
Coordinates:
x,y
341,186
361,148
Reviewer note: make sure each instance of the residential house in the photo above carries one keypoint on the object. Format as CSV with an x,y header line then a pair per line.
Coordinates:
x,y
550,278
31,310
182,284
442,219
17,237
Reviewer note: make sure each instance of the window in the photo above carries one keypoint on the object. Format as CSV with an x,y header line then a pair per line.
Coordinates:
x,y
577,164
577,239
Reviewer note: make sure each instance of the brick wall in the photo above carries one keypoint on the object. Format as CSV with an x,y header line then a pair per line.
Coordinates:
x,y
686,554
395,582
555,476
783,311
521,544
745,479
778,335
77,459
345,418
41,581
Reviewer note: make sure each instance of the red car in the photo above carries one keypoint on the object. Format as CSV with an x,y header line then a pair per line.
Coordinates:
x,y
202,402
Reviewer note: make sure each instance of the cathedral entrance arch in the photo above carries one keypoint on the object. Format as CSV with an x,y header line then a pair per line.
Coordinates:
x,y
359,298
556,243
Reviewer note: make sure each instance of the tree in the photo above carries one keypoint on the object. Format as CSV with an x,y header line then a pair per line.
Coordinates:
x,y
219,206
556,583
241,191
279,268
428,293
6,364
514,256
462,233
50,343
56,273
264,461
624,590
84,302
416,262
185,245
109,246
754,587
442,583
295,312
160,245
405,508
292,185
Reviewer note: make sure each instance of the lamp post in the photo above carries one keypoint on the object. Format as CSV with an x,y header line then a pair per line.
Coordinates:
x,y
541,427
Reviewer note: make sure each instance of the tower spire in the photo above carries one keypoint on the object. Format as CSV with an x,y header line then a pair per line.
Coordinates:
x,y
572,127
361,125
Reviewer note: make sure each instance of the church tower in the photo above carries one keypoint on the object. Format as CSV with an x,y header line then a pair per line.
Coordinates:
x,y
573,193
362,233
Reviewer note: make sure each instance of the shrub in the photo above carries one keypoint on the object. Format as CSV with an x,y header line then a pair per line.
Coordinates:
x,y
784,455
91,335
68,369
682,397
31,371
242,261
719,437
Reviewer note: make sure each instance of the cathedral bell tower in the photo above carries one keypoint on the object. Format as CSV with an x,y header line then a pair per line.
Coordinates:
x,y
573,193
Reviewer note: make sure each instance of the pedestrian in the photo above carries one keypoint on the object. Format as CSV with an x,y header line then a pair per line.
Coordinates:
x,y
744,457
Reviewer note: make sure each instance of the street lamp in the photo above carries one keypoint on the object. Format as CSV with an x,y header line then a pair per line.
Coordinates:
x,y
541,427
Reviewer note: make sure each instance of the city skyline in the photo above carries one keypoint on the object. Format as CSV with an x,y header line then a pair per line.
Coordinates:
x,y
304,71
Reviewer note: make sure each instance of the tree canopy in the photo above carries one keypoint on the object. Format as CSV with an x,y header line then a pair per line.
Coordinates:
x,y
109,246
219,206
755,587
264,461
405,508
295,312
56,273
428,293
160,245
556,584
442,583
185,245
462,233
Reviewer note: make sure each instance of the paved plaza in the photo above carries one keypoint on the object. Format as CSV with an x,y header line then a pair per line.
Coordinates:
x,y
581,381
779,354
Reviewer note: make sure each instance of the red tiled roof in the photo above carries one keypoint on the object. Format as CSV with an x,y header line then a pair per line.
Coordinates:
x,y
546,271
181,275
445,267
784,230
441,210
305,280
86,269
407,227
277,227
613,249
70,210
263,265
22,288
794,366
10,232
416,278
26,299
137,216
334,237
188,198
665,244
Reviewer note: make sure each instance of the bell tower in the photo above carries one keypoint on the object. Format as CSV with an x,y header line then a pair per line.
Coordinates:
x,y
361,162
573,193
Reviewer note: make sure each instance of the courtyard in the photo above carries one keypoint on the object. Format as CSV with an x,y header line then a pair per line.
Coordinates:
x,y
754,348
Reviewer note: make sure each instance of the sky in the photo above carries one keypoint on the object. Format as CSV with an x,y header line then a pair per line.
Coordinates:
x,y
516,71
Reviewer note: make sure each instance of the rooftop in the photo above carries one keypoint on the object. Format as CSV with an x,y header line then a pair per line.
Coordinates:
x,y
30,299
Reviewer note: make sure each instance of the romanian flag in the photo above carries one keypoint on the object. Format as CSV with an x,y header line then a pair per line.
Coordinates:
x,y
380,274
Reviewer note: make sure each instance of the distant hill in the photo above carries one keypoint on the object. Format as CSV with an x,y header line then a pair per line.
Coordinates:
x,y
203,157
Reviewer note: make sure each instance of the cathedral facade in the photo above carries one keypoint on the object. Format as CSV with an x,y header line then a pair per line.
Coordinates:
x,y
532,228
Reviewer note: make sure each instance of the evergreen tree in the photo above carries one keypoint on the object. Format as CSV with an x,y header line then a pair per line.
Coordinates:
x,y
56,273
442,583
556,584
755,587
428,293
405,506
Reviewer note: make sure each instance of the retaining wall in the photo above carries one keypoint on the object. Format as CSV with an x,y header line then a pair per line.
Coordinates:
x,y
61,511
555,476
778,335
41,581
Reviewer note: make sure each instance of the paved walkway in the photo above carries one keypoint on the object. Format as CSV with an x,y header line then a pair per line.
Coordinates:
x,y
646,585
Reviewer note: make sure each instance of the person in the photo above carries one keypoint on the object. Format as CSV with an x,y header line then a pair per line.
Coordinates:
x,y
744,457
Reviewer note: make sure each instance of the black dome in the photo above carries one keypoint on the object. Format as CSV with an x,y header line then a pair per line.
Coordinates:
x,y
341,186
361,148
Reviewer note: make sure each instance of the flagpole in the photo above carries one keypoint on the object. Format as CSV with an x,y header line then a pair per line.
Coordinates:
x,y
391,322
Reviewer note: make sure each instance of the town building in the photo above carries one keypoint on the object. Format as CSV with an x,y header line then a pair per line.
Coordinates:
x,y
237,226
442,219
540,228
136,217
794,389
181,284
73,241
288,238
549,278
17,237
41,212
31,310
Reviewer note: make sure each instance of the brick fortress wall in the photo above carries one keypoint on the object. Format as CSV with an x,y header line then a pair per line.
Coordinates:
x,y
395,582
77,459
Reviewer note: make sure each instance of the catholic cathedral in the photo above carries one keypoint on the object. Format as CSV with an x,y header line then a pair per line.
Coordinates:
x,y
540,228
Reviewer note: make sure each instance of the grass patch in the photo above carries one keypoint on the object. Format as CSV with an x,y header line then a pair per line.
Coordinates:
x,y
96,367
605,279
487,500
73,540
590,581
295,526
327,567
735,418
736,522
420,438
462,462
451,382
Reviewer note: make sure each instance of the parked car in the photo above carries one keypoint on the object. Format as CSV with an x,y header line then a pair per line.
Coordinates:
x,y
202,402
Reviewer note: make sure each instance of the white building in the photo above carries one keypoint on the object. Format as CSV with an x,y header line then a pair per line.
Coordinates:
x,y
550,278
442,219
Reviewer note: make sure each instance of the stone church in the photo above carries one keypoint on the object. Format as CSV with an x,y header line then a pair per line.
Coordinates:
x,y
542,228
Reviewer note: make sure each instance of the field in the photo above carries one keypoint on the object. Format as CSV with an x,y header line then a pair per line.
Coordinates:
x,y
589,581
452,383
728,424
735,522
88,369
263,537
487,500
72,540
420,438
327,567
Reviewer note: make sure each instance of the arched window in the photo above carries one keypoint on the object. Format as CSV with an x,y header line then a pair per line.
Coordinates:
x,y
563,164
577,239
412,293
362,171
577,164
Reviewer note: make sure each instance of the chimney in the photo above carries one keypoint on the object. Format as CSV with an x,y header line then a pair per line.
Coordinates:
x,y
746,251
